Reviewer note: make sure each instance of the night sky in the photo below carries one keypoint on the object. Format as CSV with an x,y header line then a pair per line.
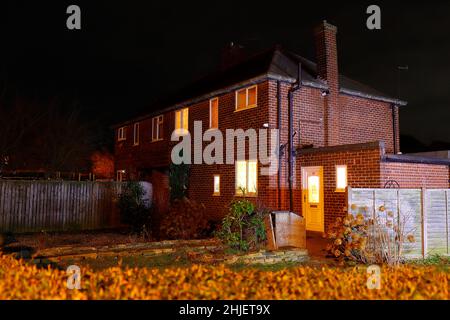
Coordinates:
x,y
129,53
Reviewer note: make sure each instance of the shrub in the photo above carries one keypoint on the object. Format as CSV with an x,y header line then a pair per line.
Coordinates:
x,y
134,210
348,239
186,219
178,181
376,240
243,227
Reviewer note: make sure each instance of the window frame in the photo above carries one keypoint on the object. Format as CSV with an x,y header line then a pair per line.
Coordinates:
x,y
182,131
210,113
337,167
123,136
216,193
238,193
136,129
157,121
247,106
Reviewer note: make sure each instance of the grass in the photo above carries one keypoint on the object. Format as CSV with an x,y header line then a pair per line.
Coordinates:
x,y
439,261
138,261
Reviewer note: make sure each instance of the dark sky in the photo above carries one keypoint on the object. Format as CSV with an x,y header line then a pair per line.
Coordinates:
x,y
128,53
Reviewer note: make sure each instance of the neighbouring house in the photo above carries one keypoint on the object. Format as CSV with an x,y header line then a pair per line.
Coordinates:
x,y
334,132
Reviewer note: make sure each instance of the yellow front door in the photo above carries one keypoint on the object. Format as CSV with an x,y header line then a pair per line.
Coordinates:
x,y
312,195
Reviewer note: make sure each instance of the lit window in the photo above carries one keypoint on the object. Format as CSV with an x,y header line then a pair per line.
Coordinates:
x,y
313,189
121,134
341,178
246,177
246,98
136,134
157,128
214,113
182,121
217,185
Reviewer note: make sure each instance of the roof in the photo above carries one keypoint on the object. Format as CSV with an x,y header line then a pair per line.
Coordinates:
x,y
274,63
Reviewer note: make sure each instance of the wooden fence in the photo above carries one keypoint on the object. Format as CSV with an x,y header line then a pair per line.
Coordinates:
x,y
33,206
424,212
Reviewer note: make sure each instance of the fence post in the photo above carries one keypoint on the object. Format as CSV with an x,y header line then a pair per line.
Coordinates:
x,y
446,216
424,222
349,199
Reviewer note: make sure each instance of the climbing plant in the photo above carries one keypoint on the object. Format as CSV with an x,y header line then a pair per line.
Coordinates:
x,y
178,181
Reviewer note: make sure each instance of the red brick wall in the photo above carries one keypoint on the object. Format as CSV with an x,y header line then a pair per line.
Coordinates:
x,y
202,176
363,169
327,69
363,120
416,175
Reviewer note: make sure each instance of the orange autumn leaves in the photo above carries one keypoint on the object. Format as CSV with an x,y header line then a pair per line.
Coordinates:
x,y
21,281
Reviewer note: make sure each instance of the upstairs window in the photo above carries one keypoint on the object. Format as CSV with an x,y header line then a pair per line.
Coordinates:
x,y
214,113
182,121
121,134
136,134
157,128
246,98
246,178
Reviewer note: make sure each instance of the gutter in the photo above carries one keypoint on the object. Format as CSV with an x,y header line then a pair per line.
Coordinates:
x,y
372,97
237,86
279,143
414,159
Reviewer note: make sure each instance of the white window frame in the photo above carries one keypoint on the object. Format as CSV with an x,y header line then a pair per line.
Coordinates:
x,y
216,193
338,188
136,134
247,106
182,131
121,134
238,192
156,122
210,113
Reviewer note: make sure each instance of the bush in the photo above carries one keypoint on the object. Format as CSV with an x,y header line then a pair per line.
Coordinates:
x,y
178,181
134,210
348,238
376,240
186,219
243,227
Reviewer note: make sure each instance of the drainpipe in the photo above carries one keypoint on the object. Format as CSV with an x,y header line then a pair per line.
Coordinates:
x,y
295,87
394,127
279,153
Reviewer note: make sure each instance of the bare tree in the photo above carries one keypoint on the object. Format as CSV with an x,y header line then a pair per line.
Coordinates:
x,y
17,118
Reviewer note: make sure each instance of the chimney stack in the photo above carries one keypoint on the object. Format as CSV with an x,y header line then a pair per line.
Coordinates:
x,y
327,70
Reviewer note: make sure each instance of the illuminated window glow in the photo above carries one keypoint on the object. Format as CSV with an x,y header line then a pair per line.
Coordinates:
x,y
341,178
182,121
246,98
217,185
246,178
214,113
313,189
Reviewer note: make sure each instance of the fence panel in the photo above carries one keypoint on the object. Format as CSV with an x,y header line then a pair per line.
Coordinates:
x,y
436,206
30,206
422,212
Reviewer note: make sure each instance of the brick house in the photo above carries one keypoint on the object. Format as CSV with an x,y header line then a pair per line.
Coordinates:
x,y
339,132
